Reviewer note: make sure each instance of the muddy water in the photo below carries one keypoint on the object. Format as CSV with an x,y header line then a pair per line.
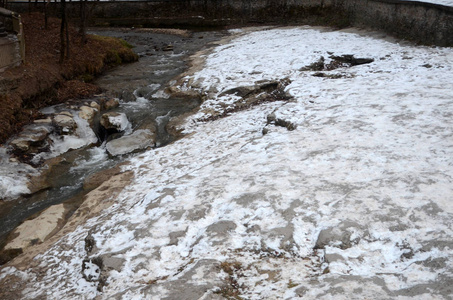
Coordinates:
x,y
139,87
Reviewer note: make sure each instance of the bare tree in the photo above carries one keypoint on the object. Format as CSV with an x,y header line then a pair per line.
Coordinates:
x,y
46,8
83,20
64,33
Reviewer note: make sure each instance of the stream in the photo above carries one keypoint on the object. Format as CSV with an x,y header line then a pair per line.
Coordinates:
x,y
139,86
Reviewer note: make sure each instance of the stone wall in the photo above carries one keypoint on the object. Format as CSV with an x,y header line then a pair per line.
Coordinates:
x,y
421,22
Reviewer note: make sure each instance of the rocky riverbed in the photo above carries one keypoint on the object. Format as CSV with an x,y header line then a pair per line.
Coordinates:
x,y
57,158
318,166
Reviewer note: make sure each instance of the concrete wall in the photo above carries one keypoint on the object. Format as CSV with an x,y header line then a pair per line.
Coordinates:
x,y
421,22
9,53
12,46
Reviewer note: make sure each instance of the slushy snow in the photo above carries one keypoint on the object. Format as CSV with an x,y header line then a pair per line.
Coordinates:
x,y
354,203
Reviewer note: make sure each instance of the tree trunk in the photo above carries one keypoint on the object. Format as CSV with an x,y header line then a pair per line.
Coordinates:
x,y
83,20
63,45
46,14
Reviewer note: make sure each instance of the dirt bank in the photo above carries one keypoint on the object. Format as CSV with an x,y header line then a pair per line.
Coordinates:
x,y
42,81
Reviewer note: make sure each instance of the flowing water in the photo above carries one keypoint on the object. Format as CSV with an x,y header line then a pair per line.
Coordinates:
x,y
139,86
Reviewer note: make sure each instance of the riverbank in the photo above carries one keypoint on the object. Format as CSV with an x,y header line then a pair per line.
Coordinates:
x,y
43,81
61,163
349,201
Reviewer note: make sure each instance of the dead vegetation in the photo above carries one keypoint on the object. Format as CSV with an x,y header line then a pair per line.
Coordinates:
x,y
42,81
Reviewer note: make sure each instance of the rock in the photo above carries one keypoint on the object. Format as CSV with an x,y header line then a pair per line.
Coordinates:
x,y
65,122
176,92
139,140
87,113
241,91
339,236
92,268
30,136
39,229
66,113
350,60
115,120
39,182
112,103
95,105
46,121
20,144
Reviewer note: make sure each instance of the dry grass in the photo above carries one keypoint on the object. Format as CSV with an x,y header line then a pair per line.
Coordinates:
x,y
43,81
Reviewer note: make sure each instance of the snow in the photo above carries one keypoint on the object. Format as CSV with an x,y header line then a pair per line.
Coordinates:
x,y
353,203
440,2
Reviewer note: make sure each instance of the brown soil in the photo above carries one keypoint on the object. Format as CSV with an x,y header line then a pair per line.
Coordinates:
x,y
43,81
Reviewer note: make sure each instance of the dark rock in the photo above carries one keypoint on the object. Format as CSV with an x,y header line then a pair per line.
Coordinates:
x,y
139,140
111,104
114,120
65,122
316,66
350,60
92,268
90,243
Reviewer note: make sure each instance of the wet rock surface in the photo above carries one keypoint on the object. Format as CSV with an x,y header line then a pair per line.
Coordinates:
x,y
139,140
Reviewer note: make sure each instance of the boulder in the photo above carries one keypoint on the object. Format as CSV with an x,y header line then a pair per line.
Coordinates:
x,y
30,136
95,105
65,122
139,140
112,103
87,113
114,120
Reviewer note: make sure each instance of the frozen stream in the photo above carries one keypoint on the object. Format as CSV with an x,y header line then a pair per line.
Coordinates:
x,y
341,191
139,86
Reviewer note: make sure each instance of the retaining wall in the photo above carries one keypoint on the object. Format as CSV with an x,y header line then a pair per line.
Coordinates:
x,y
12,47
421,22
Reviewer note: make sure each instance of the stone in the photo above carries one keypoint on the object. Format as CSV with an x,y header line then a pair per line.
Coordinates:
x,y
87,113
95,105
38,229
111,104
176,92
46,121
139,140
39,182
66,113
115,120
31,135
65,122
20,144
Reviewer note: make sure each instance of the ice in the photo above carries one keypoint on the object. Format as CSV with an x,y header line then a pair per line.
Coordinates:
x,y
83,136
14,176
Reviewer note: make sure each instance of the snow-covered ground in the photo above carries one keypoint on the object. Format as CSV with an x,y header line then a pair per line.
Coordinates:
x,y
354,203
